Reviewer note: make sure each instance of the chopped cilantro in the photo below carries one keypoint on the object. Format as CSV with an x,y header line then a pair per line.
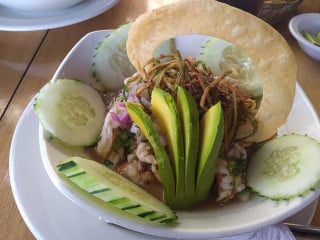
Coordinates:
x,y
237,167
124,139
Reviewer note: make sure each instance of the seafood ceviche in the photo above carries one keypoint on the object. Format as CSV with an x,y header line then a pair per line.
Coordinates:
x,y
193,127
126,150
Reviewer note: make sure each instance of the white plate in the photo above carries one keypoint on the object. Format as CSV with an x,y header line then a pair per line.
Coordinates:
x,y
17,20
48,213
231,219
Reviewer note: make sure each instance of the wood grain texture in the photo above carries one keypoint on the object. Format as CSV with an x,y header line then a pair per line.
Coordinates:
x,y
16,54
29,59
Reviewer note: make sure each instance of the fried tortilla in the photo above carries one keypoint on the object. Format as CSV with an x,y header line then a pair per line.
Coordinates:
x,y
268,50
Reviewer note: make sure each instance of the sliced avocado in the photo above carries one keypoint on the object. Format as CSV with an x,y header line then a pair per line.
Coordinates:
x,y
211,136
189,117
164,109
146,125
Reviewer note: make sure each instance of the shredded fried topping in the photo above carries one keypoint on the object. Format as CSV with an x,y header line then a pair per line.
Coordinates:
x,y
170,70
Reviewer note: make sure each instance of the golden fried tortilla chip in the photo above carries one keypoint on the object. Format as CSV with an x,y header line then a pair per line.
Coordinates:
x,y
268,50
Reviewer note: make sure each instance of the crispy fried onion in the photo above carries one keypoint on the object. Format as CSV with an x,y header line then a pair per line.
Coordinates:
x,y
170,70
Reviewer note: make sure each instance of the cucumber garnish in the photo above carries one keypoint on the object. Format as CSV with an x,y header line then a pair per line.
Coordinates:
x,y
285,167
71,111
110,63
222,56
114,191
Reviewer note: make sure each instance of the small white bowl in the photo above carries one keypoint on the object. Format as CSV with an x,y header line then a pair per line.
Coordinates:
x,y
306,22
39,5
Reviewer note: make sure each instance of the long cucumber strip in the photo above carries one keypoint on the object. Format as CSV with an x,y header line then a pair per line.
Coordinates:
x,y
71,111
114,190
285,167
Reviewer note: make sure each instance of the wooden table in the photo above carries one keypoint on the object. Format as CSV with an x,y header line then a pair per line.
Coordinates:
x,y
29,59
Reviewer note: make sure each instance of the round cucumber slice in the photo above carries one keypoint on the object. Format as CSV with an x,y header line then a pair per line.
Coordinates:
x,y
222,56
285,167
110,63
114,191
71,111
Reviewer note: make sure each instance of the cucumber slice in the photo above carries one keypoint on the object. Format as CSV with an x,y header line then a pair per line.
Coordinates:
x,y
285,167
222,56
113,190
166,47
71,111
111,64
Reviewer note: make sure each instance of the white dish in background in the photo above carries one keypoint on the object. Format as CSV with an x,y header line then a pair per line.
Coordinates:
x,y
17,20
306,22
48,213
39,5
231,219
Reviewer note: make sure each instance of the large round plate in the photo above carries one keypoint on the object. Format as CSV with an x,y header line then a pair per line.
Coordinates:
x,y
231,219
16,20
48,213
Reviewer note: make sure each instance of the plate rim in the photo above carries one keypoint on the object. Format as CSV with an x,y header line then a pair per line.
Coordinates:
x,y
54,19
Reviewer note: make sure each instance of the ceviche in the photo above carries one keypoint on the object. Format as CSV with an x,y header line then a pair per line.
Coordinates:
x,y
191,128
126,150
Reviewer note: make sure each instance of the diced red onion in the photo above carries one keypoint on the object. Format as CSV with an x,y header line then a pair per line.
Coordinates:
x,y
124,118
115,123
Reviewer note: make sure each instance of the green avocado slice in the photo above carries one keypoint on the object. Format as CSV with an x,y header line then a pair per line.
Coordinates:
x,y
211,136
164,109
146,125
189,117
